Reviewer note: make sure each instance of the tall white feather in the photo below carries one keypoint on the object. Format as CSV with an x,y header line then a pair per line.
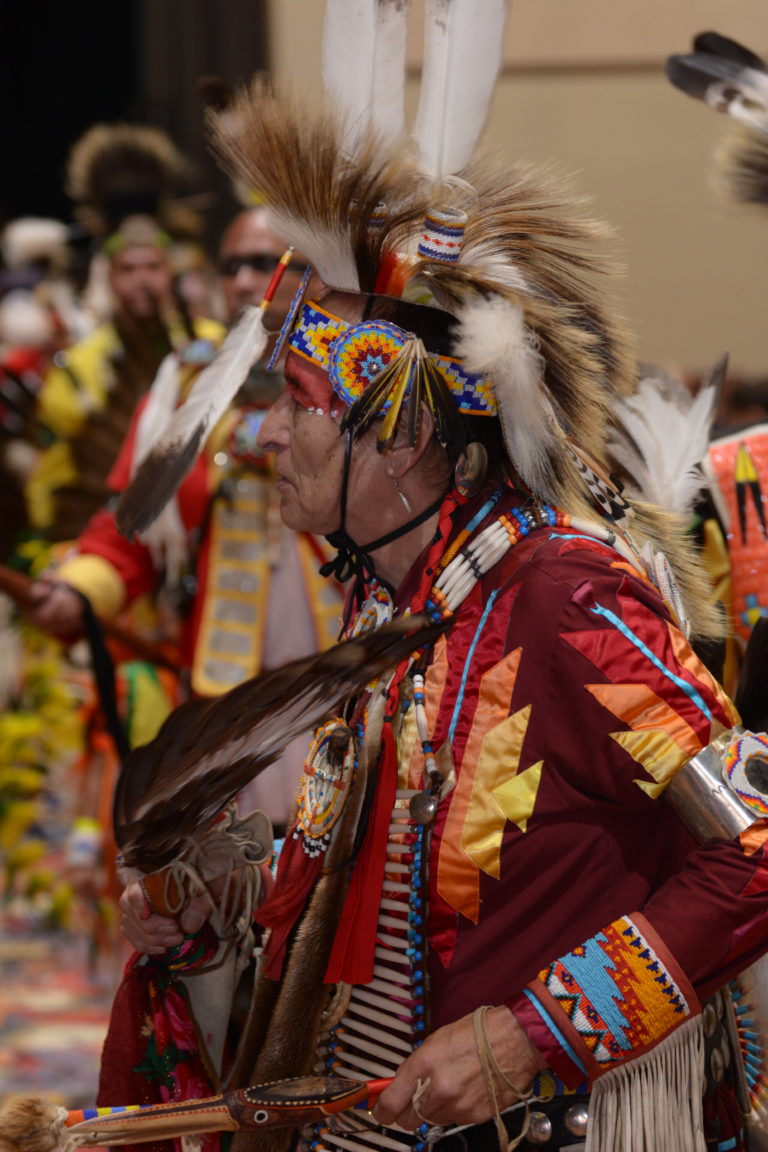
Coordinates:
x,y
494,339
462,54
217,384
363,61
167,463
661,439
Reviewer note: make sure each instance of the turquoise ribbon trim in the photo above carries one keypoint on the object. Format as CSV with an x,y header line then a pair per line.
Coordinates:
x,y
558,1035
688,689
467,663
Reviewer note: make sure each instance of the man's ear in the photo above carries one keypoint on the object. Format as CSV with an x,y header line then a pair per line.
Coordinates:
x,y
401,456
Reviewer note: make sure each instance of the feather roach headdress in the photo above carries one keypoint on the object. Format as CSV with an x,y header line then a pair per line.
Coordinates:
x,y
118,171
501,265
505,253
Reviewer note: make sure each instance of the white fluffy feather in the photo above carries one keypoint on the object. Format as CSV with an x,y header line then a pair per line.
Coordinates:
x,y
661,438
328,251
494,266
494,339
364,65
462,54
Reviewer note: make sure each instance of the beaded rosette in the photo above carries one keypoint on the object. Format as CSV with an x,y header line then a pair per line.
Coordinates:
x,y
355,355
325,783
376,610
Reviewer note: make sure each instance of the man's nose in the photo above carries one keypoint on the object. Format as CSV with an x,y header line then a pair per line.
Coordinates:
x,y
273,433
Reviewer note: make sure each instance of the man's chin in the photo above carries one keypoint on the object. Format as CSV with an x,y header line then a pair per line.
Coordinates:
x,y
289,514
296,518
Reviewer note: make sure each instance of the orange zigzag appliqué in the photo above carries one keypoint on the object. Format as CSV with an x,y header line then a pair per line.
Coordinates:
x,y
458,877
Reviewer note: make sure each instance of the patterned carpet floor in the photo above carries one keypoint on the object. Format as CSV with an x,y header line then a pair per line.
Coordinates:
x,y
54,1006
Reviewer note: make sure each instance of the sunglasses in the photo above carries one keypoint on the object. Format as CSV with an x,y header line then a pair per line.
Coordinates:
x,y
259,262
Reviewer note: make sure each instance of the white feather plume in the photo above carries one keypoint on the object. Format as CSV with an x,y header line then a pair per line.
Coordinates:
x,y
328,250
462,54
363,62
494,339
661,438
494,266
169,460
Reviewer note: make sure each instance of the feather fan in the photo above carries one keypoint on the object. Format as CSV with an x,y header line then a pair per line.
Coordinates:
x,y
166,464
207,750
662,435
364,66
462,53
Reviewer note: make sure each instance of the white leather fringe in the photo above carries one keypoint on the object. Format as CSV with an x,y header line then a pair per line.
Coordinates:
x,y
652,1102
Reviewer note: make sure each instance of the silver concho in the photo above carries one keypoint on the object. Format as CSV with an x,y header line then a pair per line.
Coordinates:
x,y
422,807
709,1018
539,1128
576,1119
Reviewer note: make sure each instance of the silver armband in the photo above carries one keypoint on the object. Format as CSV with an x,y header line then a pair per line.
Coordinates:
x,y
723,790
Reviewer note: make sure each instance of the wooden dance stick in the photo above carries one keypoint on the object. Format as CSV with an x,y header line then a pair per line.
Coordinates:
x,y
37,1126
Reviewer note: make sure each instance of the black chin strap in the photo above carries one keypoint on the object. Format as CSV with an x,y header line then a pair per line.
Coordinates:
x,y
353,560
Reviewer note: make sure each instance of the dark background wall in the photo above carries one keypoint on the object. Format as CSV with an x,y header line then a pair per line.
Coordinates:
x,y
65,66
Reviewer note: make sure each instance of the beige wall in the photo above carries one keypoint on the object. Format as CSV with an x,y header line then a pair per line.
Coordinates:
x,y
584,85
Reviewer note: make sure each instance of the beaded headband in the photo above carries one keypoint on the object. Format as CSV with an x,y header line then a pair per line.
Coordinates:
x,y
355,355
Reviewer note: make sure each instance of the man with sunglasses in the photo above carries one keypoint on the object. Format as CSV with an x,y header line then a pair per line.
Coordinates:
x,y
248,255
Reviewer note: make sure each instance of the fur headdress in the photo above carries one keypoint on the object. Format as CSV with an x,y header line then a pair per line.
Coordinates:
x,y
119,171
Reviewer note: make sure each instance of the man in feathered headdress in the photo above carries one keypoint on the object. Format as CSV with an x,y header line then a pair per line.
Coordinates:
x,y
485,895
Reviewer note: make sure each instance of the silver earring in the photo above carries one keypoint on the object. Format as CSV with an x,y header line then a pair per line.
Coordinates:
x,y
403,497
